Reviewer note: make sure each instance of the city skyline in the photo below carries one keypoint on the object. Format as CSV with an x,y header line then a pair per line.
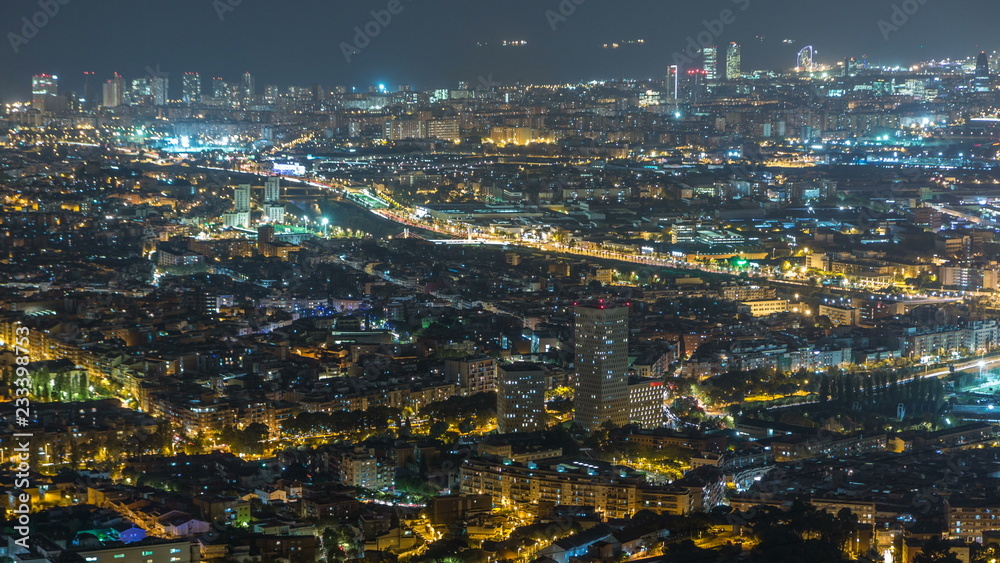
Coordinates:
x,y
546,281
572,52
723,63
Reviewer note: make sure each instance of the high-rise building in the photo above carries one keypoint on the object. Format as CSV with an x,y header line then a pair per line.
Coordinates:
x,y
473,374
44,91
271,93
140,92
645,402
89,95
601,340
318,92
694,89
981,82
710,60
219,88
114,92
272,190
240,219
520,398
249,89
241,198
983,65
734,60
275,212
191,88
673,83
850,65
447,129
265,234
159,89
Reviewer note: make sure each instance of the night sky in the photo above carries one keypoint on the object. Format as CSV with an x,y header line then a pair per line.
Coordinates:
x,y
431,43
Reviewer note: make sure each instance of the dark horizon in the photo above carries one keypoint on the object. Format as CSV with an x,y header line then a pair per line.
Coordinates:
x,y
434,45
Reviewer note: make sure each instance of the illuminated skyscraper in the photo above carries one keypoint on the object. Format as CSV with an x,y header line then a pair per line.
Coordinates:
x,y
983,65
159,89
710,59
114,91
44,90
520,398
734,59
696,83
271,93
219,88
191,88
601,340
249,89
981,82
140,92
850,65
673,83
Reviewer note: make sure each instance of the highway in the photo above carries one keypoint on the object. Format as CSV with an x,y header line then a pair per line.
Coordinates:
x,y
986,362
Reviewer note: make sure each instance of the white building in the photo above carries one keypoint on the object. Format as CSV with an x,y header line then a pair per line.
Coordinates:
x,y
764,308
274,213
241,198
645,402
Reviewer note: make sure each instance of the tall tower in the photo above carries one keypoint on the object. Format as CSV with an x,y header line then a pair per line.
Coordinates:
x,y
983,65
191,88
114,92
520,398
89,95
710,58
273,210
241,198
981,82
601,340
249,87
272,190
44,90
674,83
734,61
159,89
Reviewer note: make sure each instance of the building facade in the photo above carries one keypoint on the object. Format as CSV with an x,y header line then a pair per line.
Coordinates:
x,y
601,339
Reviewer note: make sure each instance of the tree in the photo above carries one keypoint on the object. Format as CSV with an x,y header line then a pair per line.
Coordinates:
x,y
438,429
936,551
249,440
254,437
